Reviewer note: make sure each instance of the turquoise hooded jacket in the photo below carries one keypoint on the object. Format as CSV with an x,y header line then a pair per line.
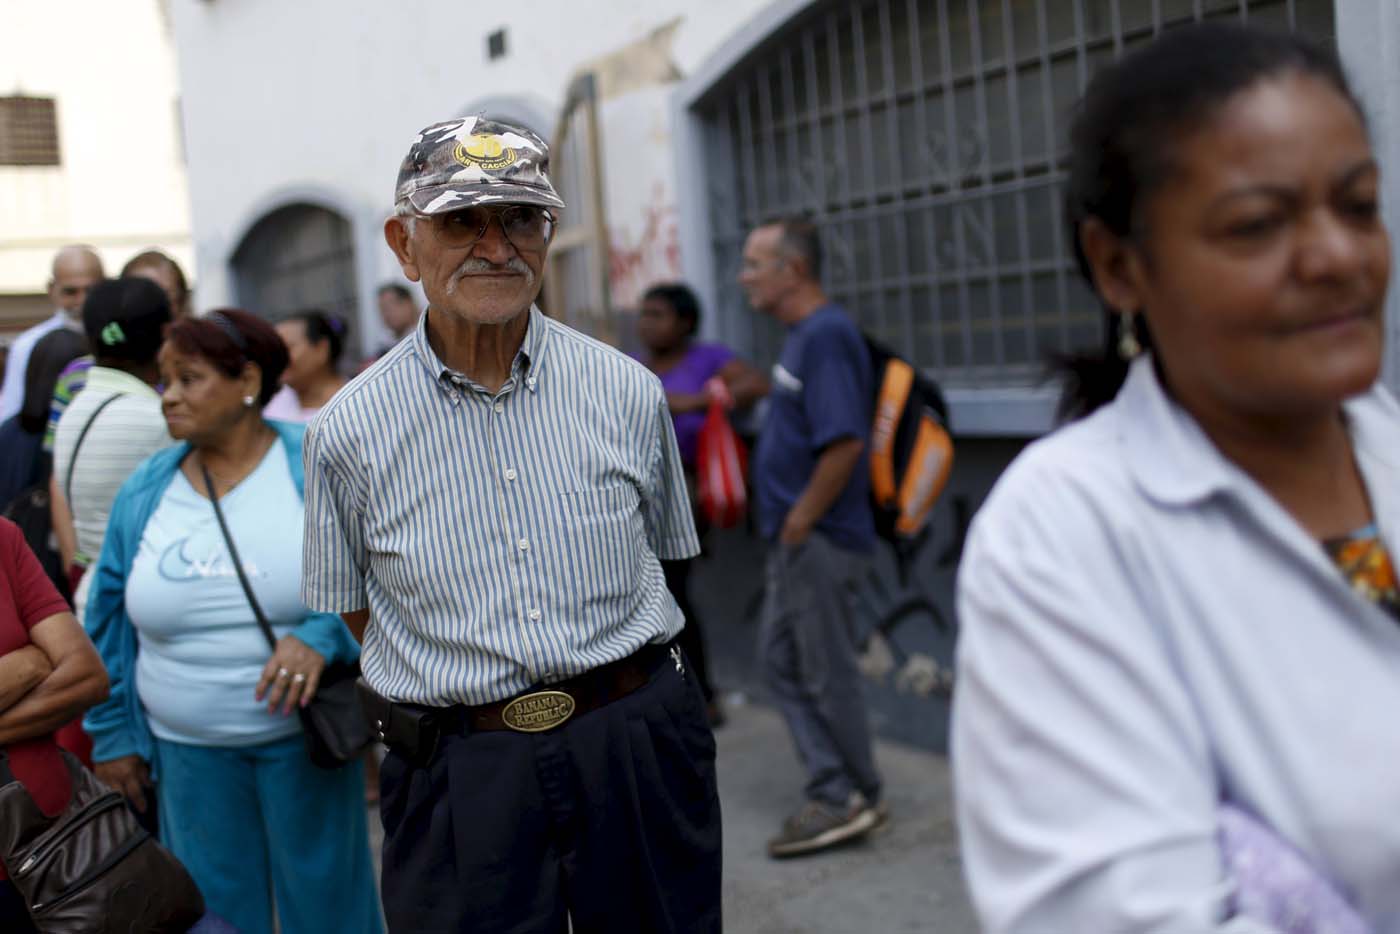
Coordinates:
x,y
118,725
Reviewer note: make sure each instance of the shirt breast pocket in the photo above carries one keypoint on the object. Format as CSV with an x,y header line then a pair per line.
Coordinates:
x,y
604,541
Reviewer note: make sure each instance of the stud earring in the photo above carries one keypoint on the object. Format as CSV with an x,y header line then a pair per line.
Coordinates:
x,y
1128,346
248,401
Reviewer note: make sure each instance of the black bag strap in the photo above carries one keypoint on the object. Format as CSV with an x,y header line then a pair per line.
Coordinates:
x,y
73,460
237,562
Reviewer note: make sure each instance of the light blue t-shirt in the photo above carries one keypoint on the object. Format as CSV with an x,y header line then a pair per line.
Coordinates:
x,y
201,651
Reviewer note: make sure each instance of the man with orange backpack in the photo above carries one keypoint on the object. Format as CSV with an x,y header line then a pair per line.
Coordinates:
x,y
812,486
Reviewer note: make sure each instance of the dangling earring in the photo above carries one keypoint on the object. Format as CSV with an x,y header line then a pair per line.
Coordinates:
x,y
248,402
1128,346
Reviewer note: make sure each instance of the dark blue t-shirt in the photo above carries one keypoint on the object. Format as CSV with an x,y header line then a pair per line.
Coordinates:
x,y
821,393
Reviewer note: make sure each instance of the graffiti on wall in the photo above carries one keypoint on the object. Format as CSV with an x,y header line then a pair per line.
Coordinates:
x,y
650,252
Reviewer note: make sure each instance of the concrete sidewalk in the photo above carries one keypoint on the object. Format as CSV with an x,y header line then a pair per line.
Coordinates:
x,y
905,879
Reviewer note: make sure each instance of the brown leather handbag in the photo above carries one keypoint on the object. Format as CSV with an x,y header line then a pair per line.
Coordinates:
x,y
92,869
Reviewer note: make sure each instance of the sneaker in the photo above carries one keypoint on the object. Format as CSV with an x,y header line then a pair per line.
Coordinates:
x,y
819,826
882,817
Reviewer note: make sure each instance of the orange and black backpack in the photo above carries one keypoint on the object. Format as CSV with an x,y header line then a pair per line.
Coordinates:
x,y
911,451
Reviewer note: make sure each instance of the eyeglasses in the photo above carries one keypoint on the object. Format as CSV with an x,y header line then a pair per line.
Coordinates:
x,y
528,228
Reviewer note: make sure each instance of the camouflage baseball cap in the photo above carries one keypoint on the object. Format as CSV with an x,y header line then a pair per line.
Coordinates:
x,y
475,160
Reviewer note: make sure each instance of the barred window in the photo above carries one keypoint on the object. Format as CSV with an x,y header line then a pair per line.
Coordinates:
x,y
28,131
928,139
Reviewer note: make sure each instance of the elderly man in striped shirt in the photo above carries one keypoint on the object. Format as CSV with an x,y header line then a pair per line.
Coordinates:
x,y
487,506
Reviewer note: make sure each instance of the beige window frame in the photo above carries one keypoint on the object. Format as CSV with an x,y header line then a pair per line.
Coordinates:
x,y
576,275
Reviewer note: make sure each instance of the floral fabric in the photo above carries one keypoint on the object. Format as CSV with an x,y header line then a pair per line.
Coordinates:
x,y
1364,560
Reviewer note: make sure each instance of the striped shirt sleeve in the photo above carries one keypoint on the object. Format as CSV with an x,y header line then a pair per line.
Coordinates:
x,y
70,382
669,520
334,558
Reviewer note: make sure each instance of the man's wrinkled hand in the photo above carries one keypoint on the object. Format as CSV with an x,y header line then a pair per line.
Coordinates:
x,y
795,530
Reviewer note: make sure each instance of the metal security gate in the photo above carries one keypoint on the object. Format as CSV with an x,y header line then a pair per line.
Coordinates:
x,y
297,257
927,139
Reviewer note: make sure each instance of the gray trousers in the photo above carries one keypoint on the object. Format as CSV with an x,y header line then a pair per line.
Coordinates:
x,y
808,644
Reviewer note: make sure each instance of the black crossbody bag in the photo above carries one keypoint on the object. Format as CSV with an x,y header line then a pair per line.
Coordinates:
x,y
335,730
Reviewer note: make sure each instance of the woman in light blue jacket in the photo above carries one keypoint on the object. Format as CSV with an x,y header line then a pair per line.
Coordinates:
x,y
200,706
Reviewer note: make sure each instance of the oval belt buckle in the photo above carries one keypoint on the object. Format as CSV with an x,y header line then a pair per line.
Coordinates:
x,y
537,712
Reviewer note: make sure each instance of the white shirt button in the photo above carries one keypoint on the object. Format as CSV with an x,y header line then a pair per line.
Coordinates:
x,y
535,615
523,545
500,407
510,473
530,382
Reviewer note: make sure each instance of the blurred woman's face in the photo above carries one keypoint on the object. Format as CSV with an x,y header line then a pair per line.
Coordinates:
x,y
306,360
162,275
1265,262
659,327
200,403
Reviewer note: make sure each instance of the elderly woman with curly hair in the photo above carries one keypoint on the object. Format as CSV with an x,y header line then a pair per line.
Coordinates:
x,y
200,705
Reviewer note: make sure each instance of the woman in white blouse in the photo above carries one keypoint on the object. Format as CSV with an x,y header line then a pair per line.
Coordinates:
x,y
1181,608
314,342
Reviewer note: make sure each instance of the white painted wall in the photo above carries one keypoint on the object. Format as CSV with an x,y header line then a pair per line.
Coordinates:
x,y
121,185
318,100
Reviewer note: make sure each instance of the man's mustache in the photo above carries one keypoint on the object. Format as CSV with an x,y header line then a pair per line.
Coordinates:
x,y
475,265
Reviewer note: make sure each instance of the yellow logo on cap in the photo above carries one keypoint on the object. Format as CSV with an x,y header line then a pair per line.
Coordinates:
x,y
485,150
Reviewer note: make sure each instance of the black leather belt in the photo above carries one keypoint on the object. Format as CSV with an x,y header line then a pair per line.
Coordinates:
x,y
414,730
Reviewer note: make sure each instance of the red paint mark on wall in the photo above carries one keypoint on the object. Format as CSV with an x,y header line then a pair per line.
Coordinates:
x,y
654,256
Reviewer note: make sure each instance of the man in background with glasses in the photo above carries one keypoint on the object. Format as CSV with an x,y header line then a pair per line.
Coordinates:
x,y
487,506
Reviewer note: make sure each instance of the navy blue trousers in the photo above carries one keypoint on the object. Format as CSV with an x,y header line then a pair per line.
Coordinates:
x,y
612,820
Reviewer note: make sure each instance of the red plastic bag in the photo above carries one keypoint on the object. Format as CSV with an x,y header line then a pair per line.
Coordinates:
x,y
721,464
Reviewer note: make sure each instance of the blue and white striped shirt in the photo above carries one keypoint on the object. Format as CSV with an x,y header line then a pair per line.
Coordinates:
x,y
499,541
